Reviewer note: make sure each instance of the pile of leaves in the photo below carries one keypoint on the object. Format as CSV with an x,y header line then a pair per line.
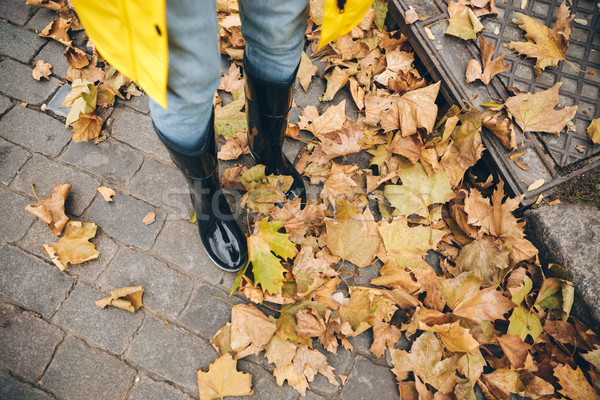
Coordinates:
x,y
95,84
489,314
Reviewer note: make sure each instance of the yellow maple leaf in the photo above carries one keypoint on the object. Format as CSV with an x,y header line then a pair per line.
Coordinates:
x,y
74,247
223,379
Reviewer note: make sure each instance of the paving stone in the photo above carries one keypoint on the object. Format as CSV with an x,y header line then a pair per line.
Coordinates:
x,y
27,343
312,396
179,243
45,174
163,186
205,315
166,291
16,11
31,282
171,352
57,99
16,81
366,379
110,328
12,389
5,104
146,388
122,219
569,234
15,220
39,234
264,384
12,159
138,103
341,361
18,43
41,19
53,53
44,134
80,372
112,161
136,130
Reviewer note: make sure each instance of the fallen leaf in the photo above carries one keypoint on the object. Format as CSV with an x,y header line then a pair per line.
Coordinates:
x,y
485,305
263,191
515,349
463,22
593,131
51,210
411,16
251,330
74,247
306,71
536,184
87,127
149,218
485,258
332,119
81,99
500,123
453,336
234,147
231,81
231,177
336,79
548,46
223,379
523,323
490,67
58,30
106,192
42,69
574,384
417,109
127,298
230,119
384,335
502,382
76,58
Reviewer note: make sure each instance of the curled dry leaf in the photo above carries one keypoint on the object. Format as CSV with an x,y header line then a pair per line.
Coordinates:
x,y
51,210
58,30
593,131
231,81
87,127
149,218
231,177
234,147
411,16
463,22
306,71
76,58
106,192
127,298
74,247
42,69
223,379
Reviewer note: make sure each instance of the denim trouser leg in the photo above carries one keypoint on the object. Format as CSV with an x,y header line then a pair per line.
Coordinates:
x,y
274,34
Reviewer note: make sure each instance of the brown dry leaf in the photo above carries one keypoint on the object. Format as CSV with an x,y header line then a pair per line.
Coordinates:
x,y
593,131
310,272
490,67
149,218
358,93
417,109
299,221
336,79
306,71
574,384
501,383
384,335
234,147
251,330
106,192
332,119
483,7
485,258
485,305
292,131
453,336
463,22
127,298
231,177
76,58
87,127
89,73
536,113
500,123
231,81
74,247
408,146
310,362
548,46
58,30
411,16
55,5
515,349
309,324
223,379
341,142
42,69
51,210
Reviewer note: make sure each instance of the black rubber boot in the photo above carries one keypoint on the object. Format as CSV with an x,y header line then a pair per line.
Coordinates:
x,y
267,108
221,236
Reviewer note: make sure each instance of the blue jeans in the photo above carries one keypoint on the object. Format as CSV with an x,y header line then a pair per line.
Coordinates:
x,y
274,35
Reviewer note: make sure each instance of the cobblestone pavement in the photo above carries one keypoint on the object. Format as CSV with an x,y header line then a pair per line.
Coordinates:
x,y
55,343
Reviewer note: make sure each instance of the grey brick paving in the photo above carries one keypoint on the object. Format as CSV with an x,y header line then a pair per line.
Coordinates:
x,y
146,388
44,134
171,352
205,315
166,290
16,81
164,186
45,174
264,384
12,159
136,130
122,219
366,379
16,11
12,389
138,103
312,396
5,104
38,286
41,19
57,99
27,343
39,234
179,243
112,161
53,53
341,361
18,43
15,220
109,328
80,372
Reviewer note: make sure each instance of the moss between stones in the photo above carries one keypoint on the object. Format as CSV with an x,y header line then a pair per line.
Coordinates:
x,y
583,189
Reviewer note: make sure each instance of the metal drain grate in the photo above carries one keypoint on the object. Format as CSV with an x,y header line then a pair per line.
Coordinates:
x,y
551,157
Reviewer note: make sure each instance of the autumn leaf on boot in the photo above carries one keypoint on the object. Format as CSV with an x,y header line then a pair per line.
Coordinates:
x,y
264,245
548,46
263,191
74,247
223,379
51,210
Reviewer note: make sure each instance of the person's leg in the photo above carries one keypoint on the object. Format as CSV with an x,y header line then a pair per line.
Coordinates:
x,y
194,73
186,127
274,35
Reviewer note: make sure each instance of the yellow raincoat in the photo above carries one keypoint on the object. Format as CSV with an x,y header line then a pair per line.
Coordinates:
x,y
132,35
